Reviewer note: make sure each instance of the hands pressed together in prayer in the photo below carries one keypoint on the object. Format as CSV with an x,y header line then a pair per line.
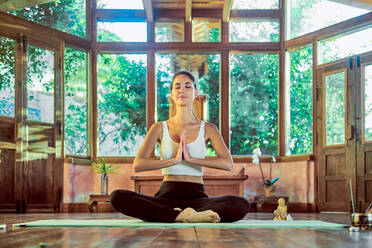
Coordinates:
x,y
183,152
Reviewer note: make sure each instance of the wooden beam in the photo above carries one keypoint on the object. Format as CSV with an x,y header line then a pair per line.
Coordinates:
x,y
188,8
226,10
10,5
147,5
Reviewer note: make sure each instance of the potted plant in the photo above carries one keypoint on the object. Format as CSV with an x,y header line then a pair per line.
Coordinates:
x,y
267,183
100,167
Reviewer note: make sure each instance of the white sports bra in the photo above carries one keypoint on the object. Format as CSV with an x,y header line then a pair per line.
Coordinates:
x,y
196,148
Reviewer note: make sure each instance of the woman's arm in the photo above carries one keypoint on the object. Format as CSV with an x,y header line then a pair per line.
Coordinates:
x,y
144,160
223,160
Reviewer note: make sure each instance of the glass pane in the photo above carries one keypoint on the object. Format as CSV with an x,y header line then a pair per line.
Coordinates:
x,y
206,70
119,4
121,103
335,108
40,85
345,45
7,83
254,103
253,31
122,31
255,4
304,16
299,99
206,30
65,15
76,78
368,103
169,31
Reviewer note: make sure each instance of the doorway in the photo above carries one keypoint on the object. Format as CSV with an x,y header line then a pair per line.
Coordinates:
x,y
344,134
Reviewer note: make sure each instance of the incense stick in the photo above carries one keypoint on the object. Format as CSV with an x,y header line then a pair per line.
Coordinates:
x,y
370,205
352,197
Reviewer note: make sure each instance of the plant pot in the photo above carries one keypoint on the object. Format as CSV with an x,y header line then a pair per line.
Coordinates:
x,y
269,190
104,183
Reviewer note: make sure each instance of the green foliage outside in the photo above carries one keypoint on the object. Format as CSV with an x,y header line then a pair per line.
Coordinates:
x,y
122,89
76,100
299,121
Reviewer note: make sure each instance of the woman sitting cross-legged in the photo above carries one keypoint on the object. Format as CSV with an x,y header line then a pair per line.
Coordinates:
x,y
182,140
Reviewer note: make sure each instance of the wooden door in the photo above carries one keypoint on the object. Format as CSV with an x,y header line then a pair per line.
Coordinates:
x,y
364,130
336,135
41,127
30,124
10,53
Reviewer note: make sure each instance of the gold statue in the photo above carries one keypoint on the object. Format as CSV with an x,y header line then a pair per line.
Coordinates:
x,y
281,212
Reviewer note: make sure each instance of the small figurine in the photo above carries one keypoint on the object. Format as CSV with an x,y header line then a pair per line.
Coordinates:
x,y
281,212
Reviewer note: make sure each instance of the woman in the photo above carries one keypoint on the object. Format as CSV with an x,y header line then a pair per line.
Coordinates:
x,y
182,139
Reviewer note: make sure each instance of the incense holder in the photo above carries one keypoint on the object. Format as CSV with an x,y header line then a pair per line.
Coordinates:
x,y
359,220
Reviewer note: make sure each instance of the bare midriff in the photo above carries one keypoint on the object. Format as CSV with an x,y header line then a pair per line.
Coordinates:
x,y
183,178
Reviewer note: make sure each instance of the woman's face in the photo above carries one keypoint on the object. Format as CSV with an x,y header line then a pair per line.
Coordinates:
x,y
183,91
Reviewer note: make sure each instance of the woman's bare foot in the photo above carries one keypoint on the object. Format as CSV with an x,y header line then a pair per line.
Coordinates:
x,y
191,216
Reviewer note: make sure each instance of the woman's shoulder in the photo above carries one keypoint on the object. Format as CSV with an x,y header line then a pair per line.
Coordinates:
x,y
157,127
210,128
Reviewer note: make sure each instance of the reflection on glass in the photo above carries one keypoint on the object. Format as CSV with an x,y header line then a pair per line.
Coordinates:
x,y
121,103
119,4
254,103
7,66
205,68
368,103
253,31
335,108
299,99
206,30
304,16
255,4
76,78
122,31
169,31
40,85
344,45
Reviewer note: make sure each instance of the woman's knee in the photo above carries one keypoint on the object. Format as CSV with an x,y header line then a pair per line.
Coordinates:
x,y
237,208
120,195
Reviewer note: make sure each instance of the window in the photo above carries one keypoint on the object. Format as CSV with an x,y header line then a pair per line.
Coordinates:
x,y
342,46
121,103
122,31
253,103
367,116
65,15
76,99
7,83
304,16
253,31
119,4
255,4
299,99
206,70
169,31
334,90
40,84
206,30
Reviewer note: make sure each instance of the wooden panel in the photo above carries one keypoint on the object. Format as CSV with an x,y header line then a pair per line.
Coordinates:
x,y
7,179
40,180
368,191
335,191
335,165
368,163
7,132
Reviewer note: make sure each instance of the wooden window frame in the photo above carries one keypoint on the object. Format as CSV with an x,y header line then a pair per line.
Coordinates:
x,y
13,26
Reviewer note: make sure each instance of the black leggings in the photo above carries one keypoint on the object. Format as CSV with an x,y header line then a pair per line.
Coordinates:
x,y
160,208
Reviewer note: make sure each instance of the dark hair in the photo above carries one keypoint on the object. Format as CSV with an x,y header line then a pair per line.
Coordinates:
x,y
186,73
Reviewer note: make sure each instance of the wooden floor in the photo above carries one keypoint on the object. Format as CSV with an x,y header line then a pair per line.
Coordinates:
x,y
177,237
